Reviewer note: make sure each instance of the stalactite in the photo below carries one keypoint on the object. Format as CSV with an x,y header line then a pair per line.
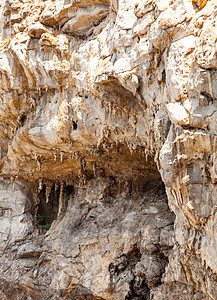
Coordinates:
x,y
102,104
56,185
146,154
76,155
106,132
84,164
40,181
38,164
132,147
92,151
114,112
61,157
94,168
48,190
61,200
108,149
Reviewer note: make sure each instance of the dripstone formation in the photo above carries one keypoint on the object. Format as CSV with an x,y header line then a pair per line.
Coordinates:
x,y
108,149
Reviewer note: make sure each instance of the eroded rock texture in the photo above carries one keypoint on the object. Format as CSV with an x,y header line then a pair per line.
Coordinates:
x,y
108,140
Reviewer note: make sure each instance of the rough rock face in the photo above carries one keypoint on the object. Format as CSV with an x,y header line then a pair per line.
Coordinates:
x,y
108,139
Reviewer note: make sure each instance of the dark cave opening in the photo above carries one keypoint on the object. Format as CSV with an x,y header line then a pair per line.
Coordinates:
x,y
47,210
137,268
132,186
49,203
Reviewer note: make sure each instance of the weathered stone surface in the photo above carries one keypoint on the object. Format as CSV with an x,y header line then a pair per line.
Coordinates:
x,y
102,104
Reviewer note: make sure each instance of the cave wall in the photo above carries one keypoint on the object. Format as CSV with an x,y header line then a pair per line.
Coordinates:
x,y
108,149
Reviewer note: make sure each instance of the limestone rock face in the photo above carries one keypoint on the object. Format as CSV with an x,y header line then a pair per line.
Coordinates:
x,y
108,142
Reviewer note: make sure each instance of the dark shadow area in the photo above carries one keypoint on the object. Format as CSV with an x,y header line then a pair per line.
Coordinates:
x,y
113,91
23,119
74,125
47,211
48,207
123,265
